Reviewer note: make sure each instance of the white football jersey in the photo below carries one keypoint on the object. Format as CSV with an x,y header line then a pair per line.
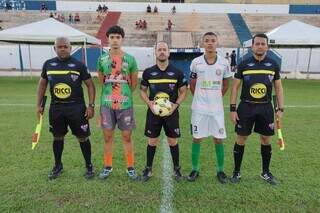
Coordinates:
x,y
207,97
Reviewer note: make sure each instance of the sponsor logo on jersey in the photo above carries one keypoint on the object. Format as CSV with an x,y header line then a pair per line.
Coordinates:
x,y
210,85
71,65
170,73
53,64
258,90
62,90
117,99
154,73
267,64
251,64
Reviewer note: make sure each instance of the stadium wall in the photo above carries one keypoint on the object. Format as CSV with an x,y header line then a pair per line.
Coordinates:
x,y
165,7
294,60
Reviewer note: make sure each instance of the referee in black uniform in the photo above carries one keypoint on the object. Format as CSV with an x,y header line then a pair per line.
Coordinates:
x,y
65,76
258,75
169,81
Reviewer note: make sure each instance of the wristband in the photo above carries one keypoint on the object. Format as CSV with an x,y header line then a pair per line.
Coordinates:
x,y
233,107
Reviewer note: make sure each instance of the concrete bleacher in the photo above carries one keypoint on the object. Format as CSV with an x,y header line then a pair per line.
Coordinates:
x,y
194,23
264,23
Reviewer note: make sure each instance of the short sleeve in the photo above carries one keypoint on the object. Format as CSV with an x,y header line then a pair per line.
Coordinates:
x,y
145,78
44,71
239,72
182,81
193,71
133,66
276,72
84,73
99,67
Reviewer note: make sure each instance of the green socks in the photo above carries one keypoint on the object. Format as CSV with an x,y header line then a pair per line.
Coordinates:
x,y
220,156
195,156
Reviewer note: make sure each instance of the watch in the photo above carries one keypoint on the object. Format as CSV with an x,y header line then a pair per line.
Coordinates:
x,y
281,109
92,105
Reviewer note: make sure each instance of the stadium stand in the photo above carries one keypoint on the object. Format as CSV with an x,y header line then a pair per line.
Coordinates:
x,y
240,27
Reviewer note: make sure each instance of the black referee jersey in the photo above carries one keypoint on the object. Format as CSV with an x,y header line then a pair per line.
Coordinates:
x,y
257,77
65,78
167,81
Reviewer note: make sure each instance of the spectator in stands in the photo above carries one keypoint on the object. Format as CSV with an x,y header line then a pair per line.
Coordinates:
x,y
155,9
105,9
169,28
137,24
51,15
99,9
43,7
173,10
76,18
1,28
148,8
70,18
62,18
233,63
144,24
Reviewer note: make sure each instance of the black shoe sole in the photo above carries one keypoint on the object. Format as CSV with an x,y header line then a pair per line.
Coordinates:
x,y
52,177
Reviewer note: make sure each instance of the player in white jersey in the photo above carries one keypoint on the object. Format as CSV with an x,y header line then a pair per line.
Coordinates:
x,y
209,76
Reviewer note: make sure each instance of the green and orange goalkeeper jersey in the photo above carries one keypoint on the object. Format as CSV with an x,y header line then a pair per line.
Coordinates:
x,y
116,92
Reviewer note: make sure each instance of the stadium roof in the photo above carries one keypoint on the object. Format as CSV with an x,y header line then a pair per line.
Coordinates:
x,y
45,32
293,33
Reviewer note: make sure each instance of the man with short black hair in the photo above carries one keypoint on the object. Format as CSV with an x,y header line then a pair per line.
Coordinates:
x,y
65,76
258,74
209,79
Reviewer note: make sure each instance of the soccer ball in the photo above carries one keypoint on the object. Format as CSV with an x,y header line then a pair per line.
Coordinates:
x,y
162,107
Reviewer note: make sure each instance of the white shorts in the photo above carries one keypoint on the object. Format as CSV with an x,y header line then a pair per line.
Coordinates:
x,y
203,126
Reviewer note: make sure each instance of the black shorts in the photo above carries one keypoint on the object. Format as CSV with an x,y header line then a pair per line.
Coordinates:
x,y
155,123
259,115
73,115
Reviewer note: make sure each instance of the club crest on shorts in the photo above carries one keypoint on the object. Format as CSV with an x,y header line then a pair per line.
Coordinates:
x,y
177,131
221,131
127,120
74,77
85,127
271,126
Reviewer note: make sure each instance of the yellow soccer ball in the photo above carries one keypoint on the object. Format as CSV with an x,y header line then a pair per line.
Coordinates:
x,y
162,107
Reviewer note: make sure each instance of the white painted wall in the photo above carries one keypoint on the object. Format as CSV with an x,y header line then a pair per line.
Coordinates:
x,y
294,61
166,7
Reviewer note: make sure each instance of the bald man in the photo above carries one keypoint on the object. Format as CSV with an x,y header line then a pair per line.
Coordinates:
x,y
67,109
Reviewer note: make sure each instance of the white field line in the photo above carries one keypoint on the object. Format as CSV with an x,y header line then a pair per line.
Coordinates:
x,y
142,105
167,185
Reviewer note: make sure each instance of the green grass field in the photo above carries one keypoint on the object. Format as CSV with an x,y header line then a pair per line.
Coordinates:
x,y
24,185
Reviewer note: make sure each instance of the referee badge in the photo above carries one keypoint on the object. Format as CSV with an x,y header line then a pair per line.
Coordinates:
x,y
74,77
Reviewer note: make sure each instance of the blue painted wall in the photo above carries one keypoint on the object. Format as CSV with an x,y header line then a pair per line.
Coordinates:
x,y
92,57
35,5
304,9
